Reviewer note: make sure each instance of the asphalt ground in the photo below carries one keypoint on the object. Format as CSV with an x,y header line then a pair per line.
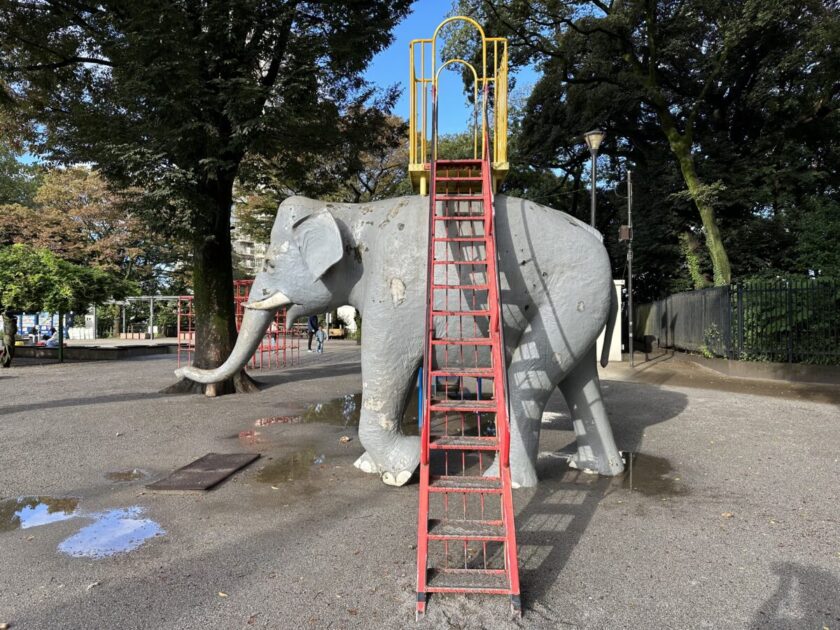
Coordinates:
x,y
732,519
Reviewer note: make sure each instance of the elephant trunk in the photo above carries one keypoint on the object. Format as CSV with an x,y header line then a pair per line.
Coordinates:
x,y
254,324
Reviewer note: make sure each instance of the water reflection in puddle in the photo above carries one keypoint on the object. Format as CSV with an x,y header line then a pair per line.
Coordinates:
x,y
113,532
344,411
652,476
26,512
291,468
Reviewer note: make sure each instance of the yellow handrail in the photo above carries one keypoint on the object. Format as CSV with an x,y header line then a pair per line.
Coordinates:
x,y
422,86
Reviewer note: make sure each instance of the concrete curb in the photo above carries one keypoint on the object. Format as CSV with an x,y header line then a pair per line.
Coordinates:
x,y
793,372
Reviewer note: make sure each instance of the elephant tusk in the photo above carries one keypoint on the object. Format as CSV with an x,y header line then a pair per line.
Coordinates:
x,y
272,302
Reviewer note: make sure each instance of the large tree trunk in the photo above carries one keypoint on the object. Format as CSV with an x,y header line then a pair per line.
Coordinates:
x,y
215,324
681,147
714,241
9,330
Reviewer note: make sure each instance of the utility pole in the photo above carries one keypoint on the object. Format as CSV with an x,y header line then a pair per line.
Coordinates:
x,y
630,267
625,233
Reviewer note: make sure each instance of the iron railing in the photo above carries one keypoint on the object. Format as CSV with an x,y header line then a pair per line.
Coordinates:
x,y
785,320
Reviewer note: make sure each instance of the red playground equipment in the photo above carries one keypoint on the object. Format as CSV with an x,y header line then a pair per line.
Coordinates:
x,y
279,348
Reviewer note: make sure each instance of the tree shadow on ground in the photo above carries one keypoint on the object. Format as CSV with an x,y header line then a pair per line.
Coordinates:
x,y
60,403
305,374
806,597
559,509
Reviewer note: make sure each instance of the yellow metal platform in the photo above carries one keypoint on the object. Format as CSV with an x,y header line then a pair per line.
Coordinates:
x,y
490,93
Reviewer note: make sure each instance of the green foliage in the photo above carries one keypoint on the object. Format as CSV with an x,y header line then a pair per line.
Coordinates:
x,y
712,345
787,318
817,228
727,112
170,96
18,182
689,248
35,280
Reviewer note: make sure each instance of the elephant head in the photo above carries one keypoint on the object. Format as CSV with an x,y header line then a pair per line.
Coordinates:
x,y
306,243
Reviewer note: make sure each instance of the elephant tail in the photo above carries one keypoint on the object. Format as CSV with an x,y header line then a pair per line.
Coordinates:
x,y
612,317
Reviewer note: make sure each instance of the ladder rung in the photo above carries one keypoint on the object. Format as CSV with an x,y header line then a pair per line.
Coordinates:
x,y
446,178
464,443
460,239
463,341
474,372
459,161
459,262
460,287
466,530
459,217
459,198
463,405
461,313
463,483
487,581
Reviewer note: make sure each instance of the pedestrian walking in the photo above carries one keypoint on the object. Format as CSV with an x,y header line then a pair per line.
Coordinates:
x,y
320,337
311,329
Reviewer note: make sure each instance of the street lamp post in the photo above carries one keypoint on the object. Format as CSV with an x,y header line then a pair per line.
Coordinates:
x,y
594,139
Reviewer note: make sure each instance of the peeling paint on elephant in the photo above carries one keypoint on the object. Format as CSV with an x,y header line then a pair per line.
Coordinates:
x,y
373,404
397,291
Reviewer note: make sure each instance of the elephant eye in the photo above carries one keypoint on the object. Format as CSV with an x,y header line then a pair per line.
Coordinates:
x,y
267,264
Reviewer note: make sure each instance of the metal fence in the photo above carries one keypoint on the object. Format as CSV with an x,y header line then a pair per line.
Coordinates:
x,y
795,321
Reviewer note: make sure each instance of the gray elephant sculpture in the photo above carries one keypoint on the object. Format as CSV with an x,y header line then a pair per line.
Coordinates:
x,y
557,295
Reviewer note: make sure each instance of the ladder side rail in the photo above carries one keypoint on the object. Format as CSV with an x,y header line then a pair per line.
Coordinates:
x,y
423,506
429,320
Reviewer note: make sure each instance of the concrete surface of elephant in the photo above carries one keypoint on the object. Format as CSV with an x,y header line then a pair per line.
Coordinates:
x,y
557,296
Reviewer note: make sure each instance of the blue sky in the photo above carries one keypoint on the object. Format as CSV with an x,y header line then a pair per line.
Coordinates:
x,y
390,67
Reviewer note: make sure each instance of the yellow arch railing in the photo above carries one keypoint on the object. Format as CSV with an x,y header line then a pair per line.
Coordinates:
x,y
423,82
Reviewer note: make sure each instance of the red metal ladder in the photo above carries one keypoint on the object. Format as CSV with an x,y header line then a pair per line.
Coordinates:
x,y
466,540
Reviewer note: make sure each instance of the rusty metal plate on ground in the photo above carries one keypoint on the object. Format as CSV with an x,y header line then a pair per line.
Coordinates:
x,y
205,472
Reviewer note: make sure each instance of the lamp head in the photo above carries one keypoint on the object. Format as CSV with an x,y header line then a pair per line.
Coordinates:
x,y
594,138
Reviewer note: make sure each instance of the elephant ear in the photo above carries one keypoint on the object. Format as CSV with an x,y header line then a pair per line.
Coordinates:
x,y
319,240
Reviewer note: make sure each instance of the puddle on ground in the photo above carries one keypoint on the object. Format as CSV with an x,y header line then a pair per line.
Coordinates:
x,y
652,476
112,532
133,474
26,512
290,468
344,411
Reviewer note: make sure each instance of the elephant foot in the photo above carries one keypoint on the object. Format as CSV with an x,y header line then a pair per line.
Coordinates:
x,y
397,479
398,464
585,461
366,464
401,461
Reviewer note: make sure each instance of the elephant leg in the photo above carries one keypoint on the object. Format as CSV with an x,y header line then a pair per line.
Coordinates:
x,y
596,449
533,373
388,365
